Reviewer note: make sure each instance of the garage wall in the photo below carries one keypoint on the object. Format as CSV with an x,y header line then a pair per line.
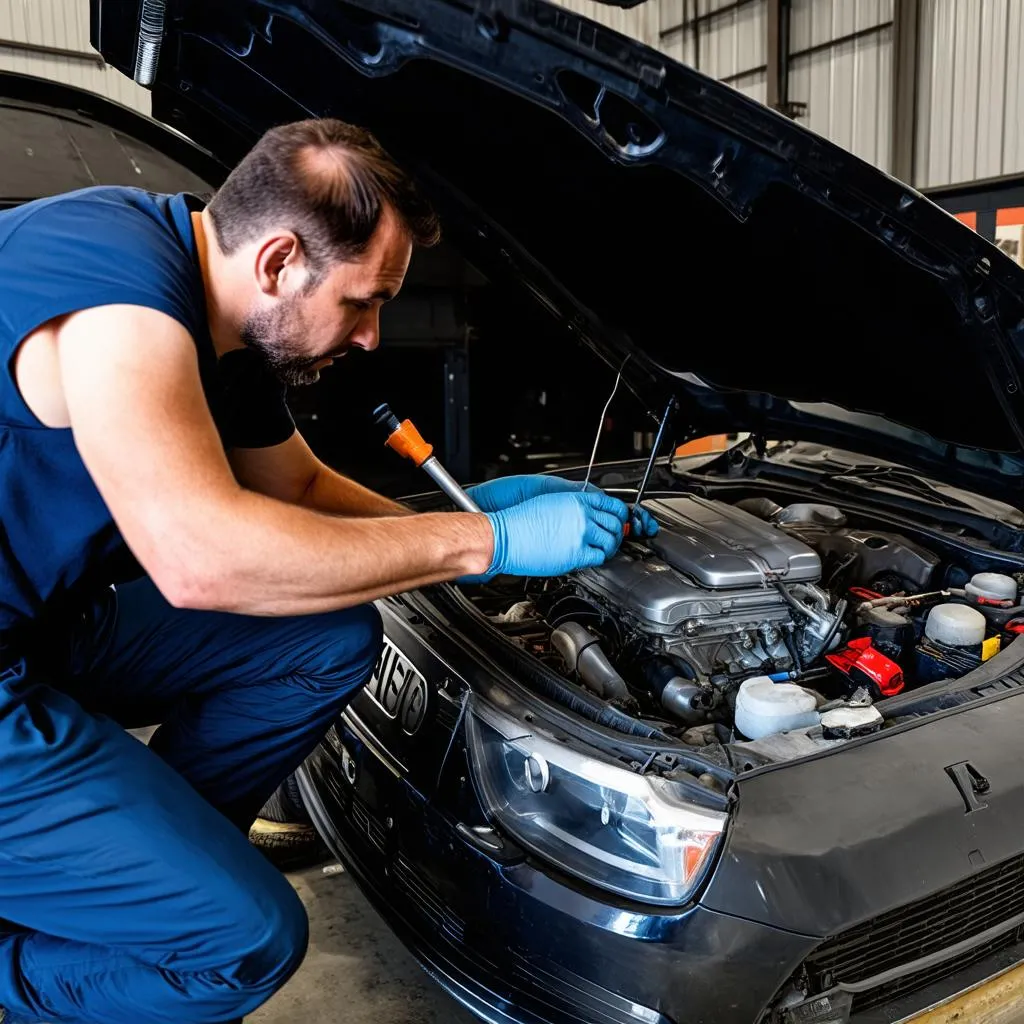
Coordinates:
x,y
722,38
840,66
29,27
970,113
641,22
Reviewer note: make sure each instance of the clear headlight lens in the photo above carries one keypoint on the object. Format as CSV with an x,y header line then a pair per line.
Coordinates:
x,y
625,832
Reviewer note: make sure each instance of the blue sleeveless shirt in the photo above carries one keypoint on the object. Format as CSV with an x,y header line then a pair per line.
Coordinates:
x,y
94,247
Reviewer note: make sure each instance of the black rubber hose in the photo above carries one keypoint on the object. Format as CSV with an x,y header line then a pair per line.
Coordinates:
x,y
791,646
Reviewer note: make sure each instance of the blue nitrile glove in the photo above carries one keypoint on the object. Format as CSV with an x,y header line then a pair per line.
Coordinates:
x,y
507,491
556,533
643,523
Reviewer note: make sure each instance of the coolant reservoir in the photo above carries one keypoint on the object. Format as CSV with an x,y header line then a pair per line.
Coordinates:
x,y
993,585
764,708
955,625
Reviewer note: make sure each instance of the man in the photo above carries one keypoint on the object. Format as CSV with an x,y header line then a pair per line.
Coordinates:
x,y
146,343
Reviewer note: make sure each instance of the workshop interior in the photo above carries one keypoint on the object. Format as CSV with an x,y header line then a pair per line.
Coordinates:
x,y
755,268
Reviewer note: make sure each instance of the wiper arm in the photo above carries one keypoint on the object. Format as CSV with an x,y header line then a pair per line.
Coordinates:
x,y
901,478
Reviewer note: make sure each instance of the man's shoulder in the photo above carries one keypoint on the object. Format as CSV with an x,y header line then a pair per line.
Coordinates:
x,y
103,213
97,246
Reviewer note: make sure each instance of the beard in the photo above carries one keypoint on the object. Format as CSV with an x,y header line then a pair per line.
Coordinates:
x,y
276,334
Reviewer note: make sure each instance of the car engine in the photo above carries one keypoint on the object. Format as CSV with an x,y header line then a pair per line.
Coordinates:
x,y
720,589
740,622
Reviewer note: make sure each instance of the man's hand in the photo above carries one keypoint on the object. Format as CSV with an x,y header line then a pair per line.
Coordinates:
x,y
556,533
508,491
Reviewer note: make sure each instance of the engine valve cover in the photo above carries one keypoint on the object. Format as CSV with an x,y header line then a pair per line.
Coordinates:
x,y
722,547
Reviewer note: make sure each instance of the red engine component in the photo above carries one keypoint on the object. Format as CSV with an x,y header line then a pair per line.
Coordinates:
x,y
864,665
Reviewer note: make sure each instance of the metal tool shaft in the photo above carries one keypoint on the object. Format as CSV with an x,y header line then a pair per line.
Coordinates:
x,y
642,489
449,485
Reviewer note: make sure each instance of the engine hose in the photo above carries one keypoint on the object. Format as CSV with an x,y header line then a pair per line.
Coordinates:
x,y
582,654
791,646
811,613
839,613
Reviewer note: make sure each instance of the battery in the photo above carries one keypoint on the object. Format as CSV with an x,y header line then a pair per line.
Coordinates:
x,y
934,661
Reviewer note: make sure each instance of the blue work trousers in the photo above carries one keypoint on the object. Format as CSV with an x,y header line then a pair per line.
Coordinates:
x,y
128,890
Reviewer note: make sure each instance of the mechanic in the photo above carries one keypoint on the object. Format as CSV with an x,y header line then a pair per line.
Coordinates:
x,y
172,553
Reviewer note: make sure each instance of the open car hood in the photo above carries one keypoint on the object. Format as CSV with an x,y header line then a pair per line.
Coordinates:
x,y
736,258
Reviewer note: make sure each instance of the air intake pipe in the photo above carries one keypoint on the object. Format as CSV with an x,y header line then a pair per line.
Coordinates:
x,y
582,654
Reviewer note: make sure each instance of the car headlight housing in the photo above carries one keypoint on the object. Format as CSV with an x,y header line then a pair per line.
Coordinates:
x,y
627,833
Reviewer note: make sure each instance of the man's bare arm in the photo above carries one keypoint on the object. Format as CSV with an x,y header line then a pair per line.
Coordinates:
x,y
141,423
291,472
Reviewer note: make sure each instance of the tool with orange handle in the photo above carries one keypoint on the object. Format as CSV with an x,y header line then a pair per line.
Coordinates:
x,y
405,439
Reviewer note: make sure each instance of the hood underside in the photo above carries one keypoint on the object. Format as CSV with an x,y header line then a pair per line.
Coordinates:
x,y
656,213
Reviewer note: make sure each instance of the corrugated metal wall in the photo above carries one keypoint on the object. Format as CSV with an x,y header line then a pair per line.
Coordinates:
x,y
641,22
970,112
841,67
720,38
62,24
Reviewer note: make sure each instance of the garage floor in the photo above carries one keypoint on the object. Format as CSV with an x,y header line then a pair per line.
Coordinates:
x,y
356,971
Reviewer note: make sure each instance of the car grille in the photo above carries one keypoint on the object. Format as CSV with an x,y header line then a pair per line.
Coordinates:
x,y
927,926
367,823
427,899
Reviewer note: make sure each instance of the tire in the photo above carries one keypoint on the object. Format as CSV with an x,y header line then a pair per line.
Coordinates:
x,y
288,845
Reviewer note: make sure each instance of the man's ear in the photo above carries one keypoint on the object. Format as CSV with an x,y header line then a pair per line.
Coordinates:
x,y
278,258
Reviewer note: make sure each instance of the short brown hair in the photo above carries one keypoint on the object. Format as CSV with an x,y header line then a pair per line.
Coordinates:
x,y
327,181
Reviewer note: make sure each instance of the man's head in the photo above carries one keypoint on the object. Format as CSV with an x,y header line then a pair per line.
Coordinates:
x,y
317,223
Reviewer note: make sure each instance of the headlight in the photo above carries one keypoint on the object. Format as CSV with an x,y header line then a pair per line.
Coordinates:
x,y
625,832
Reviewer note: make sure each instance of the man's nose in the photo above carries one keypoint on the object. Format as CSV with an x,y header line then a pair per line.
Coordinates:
x,y
367,333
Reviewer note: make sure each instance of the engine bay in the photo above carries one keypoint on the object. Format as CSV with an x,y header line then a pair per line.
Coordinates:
x,y
775,630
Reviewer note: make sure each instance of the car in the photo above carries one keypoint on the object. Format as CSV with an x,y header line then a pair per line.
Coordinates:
x,y
768,765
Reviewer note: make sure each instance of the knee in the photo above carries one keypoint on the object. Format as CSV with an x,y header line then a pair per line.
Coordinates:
x,y
275,946
351,645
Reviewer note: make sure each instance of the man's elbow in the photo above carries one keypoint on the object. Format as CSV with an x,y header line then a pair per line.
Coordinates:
x,y
196,589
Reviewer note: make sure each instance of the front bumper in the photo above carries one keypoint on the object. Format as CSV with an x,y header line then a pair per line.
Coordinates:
x,y
513,943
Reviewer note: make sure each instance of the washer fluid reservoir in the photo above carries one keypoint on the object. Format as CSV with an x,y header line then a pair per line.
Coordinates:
x,y
764,708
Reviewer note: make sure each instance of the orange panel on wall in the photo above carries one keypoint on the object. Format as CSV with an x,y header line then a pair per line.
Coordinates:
x,y
1010,216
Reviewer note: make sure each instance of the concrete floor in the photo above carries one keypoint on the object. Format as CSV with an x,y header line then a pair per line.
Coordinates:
x,y
356,971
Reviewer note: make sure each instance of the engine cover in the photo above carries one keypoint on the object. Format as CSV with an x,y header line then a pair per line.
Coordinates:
x,y
704,587
719,546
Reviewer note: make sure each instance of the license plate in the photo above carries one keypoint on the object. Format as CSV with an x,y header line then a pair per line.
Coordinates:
x,y
999,1000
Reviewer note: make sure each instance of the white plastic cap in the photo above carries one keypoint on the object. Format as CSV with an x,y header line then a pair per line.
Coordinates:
x,y
955,625
994,585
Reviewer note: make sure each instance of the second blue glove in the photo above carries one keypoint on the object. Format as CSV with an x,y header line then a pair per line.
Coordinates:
x,y
556,533
508,491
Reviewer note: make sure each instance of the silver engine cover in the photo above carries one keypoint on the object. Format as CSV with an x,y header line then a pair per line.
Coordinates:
x,y
705,589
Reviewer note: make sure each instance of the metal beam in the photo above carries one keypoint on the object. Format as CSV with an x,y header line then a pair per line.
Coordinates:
x,y
774,54
738,76
39,50
906,32
832,44
699,19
